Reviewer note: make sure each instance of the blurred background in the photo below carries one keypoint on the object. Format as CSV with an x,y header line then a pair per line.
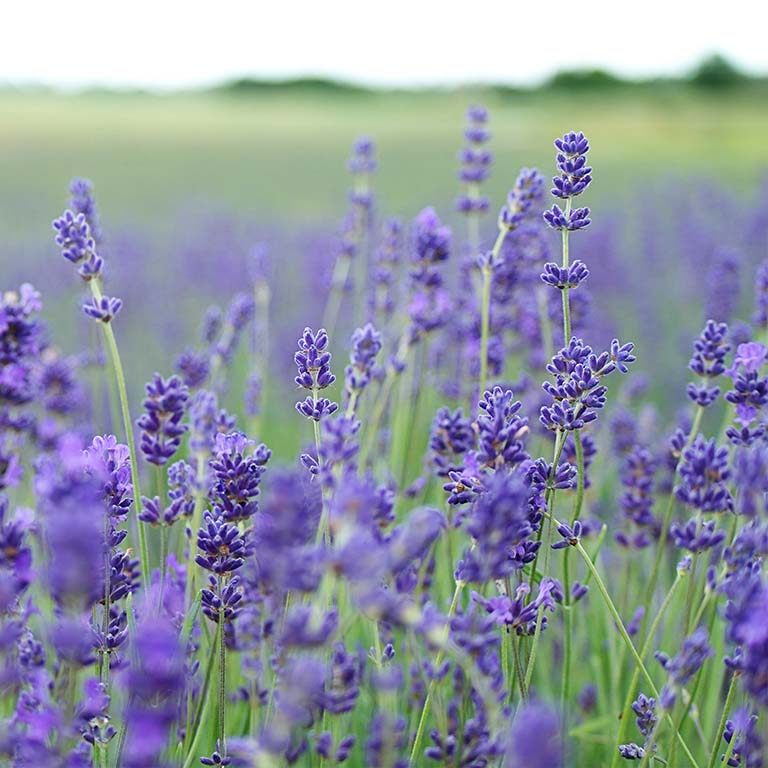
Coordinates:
x,y
218,150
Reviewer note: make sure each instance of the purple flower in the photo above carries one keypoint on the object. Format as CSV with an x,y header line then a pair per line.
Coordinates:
x,y
578,218
535,740
161,426
704,474
452,436
527,191
221,545
366,345
103,309
570,535
575,175
695,651
193,367
565,277
73,236
83,202
500,430
237,468
154,684
497,522
475,161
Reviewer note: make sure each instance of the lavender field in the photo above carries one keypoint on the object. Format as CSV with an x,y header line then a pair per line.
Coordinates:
x,y
384,431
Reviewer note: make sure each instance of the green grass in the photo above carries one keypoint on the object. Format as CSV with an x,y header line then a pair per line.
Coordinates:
x,y
282,154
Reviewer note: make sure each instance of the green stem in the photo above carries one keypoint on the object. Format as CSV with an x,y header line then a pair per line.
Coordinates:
x,y
431,687
380,405
485,327
222,672
651,588
581,478
485,321
114,354
625,714
721,725
164,534
549,499
204,704
628,642
566,264
540,612
105,656
544,322
567,607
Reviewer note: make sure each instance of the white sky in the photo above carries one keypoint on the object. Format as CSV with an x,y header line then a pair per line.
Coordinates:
x,y
171,43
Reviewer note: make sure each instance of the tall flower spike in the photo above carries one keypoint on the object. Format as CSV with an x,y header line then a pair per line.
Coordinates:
x,y
475,162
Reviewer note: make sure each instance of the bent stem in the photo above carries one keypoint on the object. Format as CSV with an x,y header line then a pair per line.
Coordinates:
x,y
630,646
625,714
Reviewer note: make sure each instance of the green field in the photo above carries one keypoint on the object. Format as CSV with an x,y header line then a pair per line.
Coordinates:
x,y
282,154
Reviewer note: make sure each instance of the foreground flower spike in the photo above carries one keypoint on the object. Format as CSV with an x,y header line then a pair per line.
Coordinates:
x,y
575,176
161,427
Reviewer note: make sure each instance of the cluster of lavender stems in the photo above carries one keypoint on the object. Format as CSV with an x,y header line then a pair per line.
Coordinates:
x,y
360,606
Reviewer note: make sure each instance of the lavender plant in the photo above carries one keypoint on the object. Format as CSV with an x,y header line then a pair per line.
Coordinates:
x,y
459,568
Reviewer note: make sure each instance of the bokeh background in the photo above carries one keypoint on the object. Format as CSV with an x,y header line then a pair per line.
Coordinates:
x,y
219,152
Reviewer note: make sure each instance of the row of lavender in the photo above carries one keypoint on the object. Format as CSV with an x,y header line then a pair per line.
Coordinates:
x,y
381,604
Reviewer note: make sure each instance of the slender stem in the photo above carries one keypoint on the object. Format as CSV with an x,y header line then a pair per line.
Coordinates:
x,y
566,264
544,323
485,308
649,743
518,666
485,323
721,725
651,588
540,612
222,671
109,334
105,655
164,534
567,607
372,428
204,703
549,498
625,715
322,526
628,642
581,478
460,584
